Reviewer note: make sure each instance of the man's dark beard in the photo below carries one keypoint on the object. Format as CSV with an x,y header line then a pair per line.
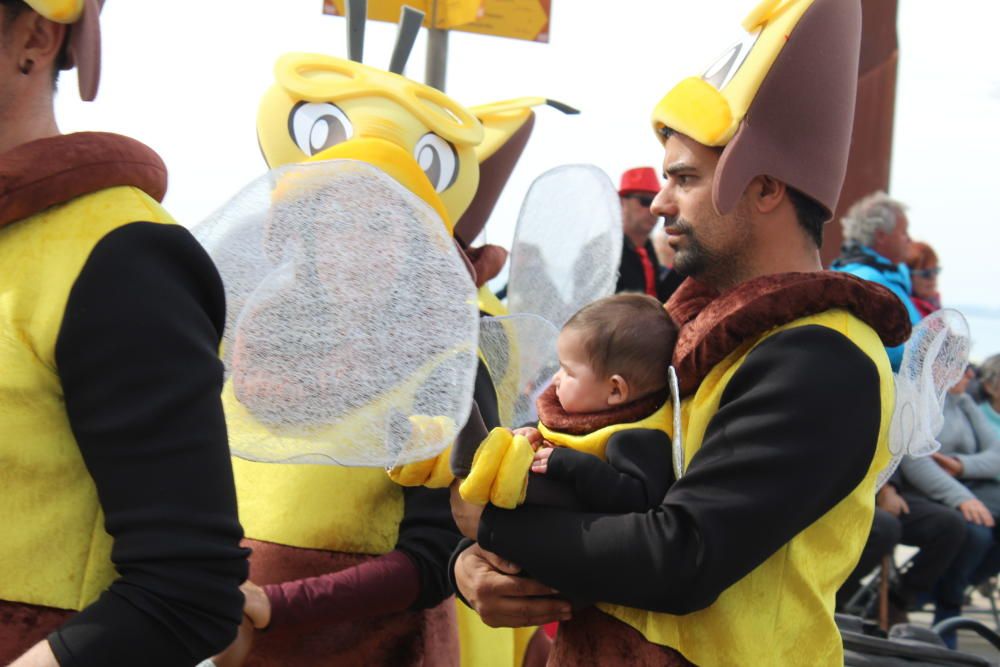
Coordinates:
x,y
694,258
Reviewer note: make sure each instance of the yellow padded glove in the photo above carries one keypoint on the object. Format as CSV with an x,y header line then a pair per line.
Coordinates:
x,y
499,472
433,473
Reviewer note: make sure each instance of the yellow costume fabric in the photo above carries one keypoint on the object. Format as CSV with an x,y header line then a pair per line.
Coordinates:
x,y
781,613
47,490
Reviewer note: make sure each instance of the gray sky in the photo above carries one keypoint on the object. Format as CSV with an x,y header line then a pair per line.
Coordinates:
x,y
185,77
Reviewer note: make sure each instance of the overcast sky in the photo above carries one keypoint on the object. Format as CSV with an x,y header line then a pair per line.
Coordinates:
x,y
185,77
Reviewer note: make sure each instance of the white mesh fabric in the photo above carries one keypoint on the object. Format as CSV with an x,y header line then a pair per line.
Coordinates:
x,y
934,360
567,245
349,311
520,353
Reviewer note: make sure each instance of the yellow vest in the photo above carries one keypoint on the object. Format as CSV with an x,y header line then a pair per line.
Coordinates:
x,y
596,442
781,613
53,547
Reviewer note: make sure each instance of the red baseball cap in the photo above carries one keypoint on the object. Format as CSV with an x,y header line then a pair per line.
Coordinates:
x,y
640,179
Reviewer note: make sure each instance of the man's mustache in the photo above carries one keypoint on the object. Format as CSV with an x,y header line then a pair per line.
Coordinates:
x,y
677,226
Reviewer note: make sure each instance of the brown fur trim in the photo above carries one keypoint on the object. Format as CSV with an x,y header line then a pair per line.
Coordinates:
x,y
711,329
551,413
47,172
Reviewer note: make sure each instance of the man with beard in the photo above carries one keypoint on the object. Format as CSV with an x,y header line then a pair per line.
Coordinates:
x,y
786,385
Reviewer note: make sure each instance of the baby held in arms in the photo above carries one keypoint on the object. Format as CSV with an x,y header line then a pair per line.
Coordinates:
x,y
602,442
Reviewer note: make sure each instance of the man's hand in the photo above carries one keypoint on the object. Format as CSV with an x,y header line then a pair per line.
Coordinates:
x,y
256,605
502,599
236,654
889,500
540,464
950,464
466,514
976,512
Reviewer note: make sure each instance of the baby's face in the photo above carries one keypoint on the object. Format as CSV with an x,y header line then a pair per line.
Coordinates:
x,y
578,388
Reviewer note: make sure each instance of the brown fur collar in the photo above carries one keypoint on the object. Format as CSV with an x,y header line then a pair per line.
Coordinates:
x,y
713,325
551,413
43,173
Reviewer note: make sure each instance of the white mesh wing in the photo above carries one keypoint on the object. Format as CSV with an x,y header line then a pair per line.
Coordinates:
x,y
934,359
520,353
567,245
349,311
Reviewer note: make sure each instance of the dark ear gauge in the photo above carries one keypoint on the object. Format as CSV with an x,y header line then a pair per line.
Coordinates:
x,y
409,25
26,66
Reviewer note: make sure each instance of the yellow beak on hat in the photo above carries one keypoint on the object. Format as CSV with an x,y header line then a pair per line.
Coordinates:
x,y
709,108
60,11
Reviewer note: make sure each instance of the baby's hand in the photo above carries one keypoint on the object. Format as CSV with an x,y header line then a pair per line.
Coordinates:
x,y
540,463
532,434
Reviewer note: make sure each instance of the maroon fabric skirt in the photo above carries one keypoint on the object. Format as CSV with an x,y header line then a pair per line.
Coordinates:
x,y
24,625
594,638
408,639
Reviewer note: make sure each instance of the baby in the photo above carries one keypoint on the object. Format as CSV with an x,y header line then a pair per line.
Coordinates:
x,y
602,439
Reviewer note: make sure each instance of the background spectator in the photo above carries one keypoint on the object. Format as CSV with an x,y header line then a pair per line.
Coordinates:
x,y
989,383
640,270
924,269
876,240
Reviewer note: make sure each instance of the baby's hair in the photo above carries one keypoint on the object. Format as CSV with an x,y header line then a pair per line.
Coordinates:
x,y
630,335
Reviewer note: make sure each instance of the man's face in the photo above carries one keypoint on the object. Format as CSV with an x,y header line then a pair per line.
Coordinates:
x,y
893,245
637,219
706,244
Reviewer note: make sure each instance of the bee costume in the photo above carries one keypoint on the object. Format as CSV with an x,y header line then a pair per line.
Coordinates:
x,y
787,398
119,541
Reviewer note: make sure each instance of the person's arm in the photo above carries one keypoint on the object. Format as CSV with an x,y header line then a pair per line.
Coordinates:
x,y
413,576
137,355
795,432
635,477
928,478
984,464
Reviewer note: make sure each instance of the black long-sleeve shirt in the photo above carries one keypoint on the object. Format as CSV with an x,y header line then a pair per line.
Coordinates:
x,y
795,432
635,477
137,355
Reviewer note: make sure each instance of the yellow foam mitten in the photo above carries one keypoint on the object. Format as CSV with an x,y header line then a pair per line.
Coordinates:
x,y
434,473
485,465
511,481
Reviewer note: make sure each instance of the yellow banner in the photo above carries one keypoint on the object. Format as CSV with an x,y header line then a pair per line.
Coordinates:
x,y
517,19
449,13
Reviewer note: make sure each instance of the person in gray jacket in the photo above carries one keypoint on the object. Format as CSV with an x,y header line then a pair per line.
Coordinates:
x,y
963,475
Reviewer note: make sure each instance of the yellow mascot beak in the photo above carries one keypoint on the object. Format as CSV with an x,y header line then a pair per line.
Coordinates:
x,y
694,108
394,161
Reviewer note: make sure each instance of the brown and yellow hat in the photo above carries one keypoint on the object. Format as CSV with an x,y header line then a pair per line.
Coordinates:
x,y
780,102
83,45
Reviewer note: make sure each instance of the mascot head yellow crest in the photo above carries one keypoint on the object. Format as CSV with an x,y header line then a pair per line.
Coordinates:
x,y
324,108
780,102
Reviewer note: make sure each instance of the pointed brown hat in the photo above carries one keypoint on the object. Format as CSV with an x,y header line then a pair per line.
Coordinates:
x,y
781,102
83,42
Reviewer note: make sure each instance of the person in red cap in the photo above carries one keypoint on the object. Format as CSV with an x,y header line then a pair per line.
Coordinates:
x,y
640,270
120,543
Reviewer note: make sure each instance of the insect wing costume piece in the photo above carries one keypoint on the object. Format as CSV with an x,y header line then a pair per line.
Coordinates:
x,y
328,360
934,359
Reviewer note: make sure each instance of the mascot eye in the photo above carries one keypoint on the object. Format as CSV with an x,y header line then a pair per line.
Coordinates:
x,y
315,126
438,160
725,68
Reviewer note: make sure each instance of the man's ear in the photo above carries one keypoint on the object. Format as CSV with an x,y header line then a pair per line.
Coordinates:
x,y
619,390
768,194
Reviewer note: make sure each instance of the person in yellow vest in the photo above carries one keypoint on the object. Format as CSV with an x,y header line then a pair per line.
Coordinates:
x,y
119,543
602,440
787,390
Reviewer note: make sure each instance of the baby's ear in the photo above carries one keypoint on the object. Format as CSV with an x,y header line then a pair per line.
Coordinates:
x,y
619,390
